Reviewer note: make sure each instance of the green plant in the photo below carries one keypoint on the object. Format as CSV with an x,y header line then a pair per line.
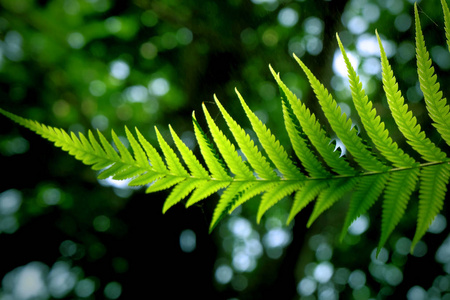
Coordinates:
x,y
273,173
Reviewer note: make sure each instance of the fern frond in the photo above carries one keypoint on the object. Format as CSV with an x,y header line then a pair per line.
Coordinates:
x,y
305,195
400,186
98,152
446,22
197,170
229,197
435,103
336,190
365,195
123,151
206,190
181,191
271,145
271,173
228,151
406,122
152,154
139,154
375,128
274,195
309,161
172,160
315,133
341,125
145,178
213,160
299,144
251,152
164,183
260,186
433,186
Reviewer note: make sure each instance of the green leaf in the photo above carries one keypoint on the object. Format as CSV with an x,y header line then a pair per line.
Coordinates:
x,y
305,195
433,187
335,191
271,145
213,160
406,122
197,170
435,103
365,195
396,197
181,191
372,124
272,196
172,159
228,151
251,152
315,133
341,125
228,198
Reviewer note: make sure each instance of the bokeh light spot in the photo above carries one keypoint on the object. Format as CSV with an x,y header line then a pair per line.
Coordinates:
x,y
159,87
382,257
357,279
324,252
97,88
314,45
113,290
85,288
188,241
371,12
76,40
341,276
101,223
100,122
357,25
323,272
15,145
270,37
403,22
136,93
27,282
313,25
61,108
416,293
403,245
149,18
119,69
51,196
61,279
443,252
243,262
68,248
148,50
441,57
306,287
359,226
223,274
240,227
10,201
184,36
393,275
113,24
287,17
420,249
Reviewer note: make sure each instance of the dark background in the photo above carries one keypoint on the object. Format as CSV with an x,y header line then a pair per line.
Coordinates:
x,y
43,78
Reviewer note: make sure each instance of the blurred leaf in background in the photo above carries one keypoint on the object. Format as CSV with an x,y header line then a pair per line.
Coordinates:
x,y
101,64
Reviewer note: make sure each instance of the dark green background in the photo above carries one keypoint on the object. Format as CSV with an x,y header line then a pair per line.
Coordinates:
x,y
199,48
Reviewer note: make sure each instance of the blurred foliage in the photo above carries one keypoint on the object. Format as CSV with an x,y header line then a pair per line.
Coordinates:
x,y
80,64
